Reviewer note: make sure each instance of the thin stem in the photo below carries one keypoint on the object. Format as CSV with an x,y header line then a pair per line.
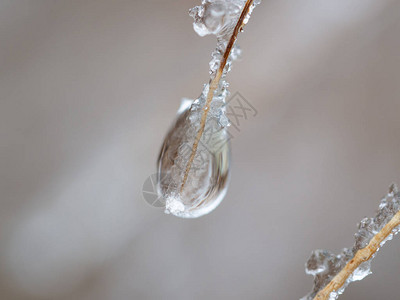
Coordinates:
x,y
213,86
361,256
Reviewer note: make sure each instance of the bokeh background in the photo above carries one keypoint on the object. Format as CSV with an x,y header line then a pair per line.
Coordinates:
x,y
87,91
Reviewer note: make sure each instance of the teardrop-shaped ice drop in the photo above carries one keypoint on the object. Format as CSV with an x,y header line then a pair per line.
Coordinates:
x,y
207,177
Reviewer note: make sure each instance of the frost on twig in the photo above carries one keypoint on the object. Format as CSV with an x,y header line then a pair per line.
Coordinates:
x,y
333,273
225,19
194,160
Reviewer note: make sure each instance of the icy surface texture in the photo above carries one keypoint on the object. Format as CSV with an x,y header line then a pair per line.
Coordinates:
x,y
324,265
207,179
219,18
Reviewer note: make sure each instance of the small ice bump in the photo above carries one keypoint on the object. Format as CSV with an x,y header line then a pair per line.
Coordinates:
x,y
174,206
315,263
216,16
362,271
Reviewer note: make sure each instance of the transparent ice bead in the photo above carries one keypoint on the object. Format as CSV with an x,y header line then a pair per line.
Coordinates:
x,y
207,179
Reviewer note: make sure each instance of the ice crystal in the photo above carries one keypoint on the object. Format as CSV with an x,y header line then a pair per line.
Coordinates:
x,y
219,17
324,265
206,181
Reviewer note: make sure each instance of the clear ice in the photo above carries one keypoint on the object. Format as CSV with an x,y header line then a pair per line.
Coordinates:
x,y
207,179
324,265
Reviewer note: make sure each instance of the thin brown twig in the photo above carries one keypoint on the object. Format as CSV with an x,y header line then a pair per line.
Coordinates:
x,y
213,86
361,256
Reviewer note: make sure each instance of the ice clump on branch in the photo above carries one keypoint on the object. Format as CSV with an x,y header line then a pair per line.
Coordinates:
x,y
220,17
206,181
324,265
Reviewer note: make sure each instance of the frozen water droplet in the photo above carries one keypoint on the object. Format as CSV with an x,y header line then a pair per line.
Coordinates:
x,y
393,190
195,155
216,16
361,272
208,176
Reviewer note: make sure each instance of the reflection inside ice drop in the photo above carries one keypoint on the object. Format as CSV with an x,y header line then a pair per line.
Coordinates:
x,y
207,178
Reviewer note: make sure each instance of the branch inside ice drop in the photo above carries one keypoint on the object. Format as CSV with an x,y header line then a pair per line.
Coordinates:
x,y
214,85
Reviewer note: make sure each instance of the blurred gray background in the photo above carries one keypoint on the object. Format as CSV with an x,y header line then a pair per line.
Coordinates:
x,y
87,91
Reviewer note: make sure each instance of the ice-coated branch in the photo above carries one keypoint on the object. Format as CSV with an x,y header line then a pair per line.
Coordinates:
x,y
332,274
361,256
195,156
223,31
